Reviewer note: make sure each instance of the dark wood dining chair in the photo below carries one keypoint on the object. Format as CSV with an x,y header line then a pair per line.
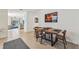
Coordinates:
x,y
38,33
35,30
41,34
62,37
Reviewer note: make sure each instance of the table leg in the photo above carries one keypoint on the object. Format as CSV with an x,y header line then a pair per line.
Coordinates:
x,y
52,43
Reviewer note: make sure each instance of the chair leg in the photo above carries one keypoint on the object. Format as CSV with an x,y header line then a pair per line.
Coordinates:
x,y
65,41
56,39
36,39
64,44
41,41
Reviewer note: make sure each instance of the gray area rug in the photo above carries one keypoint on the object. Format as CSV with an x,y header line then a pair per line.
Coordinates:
x,y
15,44
59,45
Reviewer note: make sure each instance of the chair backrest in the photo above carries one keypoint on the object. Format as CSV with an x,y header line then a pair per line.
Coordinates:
x,y
38,32
64,33
37,29
61,35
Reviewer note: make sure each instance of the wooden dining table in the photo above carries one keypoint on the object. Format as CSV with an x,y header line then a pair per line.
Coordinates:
x,y
51,32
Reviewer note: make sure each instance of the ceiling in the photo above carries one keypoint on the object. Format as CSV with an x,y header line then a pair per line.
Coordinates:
x,y
23,10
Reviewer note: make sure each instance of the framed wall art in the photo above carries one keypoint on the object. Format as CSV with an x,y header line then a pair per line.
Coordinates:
x,y
51,17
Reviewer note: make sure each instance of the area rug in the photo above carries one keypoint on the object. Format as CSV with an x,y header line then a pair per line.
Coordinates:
x,y
15,44
59,45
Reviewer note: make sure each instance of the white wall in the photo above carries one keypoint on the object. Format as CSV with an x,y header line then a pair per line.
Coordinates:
x,y
3,23
25,22
9,20
67,19
30,20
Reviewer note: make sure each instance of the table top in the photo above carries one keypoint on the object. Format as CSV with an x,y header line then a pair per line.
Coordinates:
x,y
49,30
